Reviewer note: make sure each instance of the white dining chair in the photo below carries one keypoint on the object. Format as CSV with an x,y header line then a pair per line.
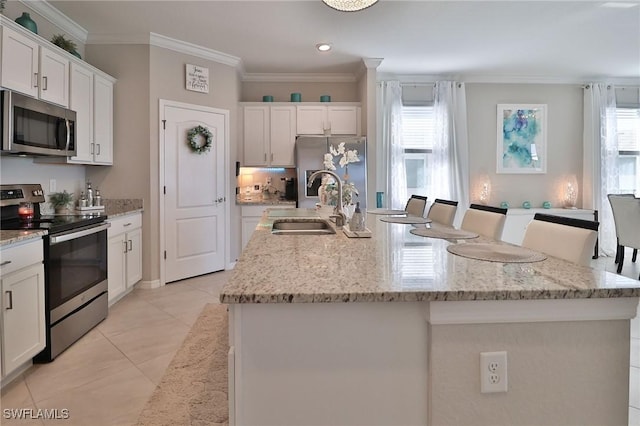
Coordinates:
x,y
443,211
485,220
416,205
563,237
626,216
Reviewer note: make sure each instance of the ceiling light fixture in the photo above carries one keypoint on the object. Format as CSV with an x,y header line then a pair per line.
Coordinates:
x,y
349,5
323,47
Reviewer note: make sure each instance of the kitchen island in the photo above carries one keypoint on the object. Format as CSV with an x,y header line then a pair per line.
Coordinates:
x,y
388,330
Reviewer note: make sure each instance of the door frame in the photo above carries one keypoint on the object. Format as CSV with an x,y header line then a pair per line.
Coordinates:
x,y
161,171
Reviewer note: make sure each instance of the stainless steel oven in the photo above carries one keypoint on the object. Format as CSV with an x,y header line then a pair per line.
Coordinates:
x,y
76,276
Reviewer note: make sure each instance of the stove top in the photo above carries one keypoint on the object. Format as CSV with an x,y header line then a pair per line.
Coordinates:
x,y
53,223
12,195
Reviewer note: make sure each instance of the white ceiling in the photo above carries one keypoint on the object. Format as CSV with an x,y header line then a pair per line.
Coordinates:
x,y
514,39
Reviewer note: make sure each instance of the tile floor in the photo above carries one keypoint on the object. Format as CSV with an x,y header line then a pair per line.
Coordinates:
x,y
107,376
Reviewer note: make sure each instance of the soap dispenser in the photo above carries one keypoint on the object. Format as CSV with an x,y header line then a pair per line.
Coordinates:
x,y
356,223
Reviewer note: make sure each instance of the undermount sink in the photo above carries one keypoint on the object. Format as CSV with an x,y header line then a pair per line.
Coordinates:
x,y
302,227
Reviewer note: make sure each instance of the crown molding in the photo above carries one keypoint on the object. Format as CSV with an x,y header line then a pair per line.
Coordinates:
x,y
505,79
372,62
159,40
300,78
57,18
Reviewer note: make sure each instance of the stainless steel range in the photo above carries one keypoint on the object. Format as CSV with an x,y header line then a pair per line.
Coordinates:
x,y
75,263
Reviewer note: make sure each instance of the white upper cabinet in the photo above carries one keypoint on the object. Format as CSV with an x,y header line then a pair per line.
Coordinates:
x,y
102,120
256,135
269,135
19,63
32,69
329,120
282,135
82,103
54,77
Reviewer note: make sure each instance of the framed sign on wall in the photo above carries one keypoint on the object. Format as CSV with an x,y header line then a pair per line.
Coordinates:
x,y
197,78
522,138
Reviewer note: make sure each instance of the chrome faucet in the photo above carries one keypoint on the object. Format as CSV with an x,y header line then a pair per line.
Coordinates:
x,y
341,218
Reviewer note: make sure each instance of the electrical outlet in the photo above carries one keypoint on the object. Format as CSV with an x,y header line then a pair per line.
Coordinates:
x,y
493,372
52,185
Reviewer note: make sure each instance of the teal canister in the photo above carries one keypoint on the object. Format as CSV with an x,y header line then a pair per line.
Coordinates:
x,y
267,98
296,97
26,21
325,98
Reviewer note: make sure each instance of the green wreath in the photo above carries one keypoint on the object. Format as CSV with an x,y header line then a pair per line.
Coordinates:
x,y
192,136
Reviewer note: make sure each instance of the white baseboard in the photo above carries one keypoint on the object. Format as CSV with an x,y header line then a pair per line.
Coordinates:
x,y
148,285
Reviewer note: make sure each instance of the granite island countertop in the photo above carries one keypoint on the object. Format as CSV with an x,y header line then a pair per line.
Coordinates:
x,y
394,265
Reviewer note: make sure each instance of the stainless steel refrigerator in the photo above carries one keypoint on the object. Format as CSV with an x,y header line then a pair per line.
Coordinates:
x,y
310,151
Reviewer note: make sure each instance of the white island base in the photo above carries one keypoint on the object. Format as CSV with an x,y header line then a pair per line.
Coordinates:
x,y
418,363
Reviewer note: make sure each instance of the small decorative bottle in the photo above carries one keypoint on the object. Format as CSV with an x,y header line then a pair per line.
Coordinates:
x,y
97,200
89,195
83,200
356,223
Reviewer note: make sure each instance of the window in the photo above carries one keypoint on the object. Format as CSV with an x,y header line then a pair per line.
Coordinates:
x,y
417,138
628,124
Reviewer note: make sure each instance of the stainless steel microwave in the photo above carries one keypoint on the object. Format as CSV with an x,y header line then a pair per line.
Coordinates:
x,y
34,127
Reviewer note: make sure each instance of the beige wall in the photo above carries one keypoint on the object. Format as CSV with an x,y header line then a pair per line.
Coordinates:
x,y
167,81
553,374
340,92
145,75
564,141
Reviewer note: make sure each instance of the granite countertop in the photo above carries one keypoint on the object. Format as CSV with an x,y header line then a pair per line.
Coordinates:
x,y
395,265
10,237
113,208
259,201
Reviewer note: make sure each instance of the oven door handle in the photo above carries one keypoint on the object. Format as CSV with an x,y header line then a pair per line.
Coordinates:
x,y
77,234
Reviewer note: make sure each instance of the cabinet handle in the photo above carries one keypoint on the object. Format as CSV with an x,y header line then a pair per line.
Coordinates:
x,y
98,145
126,248
6,262
44,82
35,79
92,144
265,157
272,156
127,224
10,294
130,245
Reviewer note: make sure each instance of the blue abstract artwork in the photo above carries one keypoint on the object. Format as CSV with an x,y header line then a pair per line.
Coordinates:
x,y
521,138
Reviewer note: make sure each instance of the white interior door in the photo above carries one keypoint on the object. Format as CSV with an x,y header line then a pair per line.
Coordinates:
x,y
194,203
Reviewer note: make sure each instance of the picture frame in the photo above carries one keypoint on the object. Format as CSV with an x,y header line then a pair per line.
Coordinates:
x,y
196,78
521,138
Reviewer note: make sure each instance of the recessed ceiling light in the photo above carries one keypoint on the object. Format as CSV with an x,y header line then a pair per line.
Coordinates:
x,y
323,47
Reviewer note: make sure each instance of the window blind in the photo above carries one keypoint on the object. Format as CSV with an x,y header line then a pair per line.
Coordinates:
x,y
417,127
628,123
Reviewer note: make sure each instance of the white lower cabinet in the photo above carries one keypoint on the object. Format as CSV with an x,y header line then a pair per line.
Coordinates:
x,y
23,314
124,255
251,217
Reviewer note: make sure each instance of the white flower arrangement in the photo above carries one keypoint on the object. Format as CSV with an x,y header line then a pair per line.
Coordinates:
x,y
348,156
349,189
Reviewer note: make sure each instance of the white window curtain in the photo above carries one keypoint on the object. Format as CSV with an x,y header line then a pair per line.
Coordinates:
x,y
600,155
390,94
450,167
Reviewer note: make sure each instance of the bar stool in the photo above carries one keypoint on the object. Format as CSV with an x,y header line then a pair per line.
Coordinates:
x,y
485,220
443,211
